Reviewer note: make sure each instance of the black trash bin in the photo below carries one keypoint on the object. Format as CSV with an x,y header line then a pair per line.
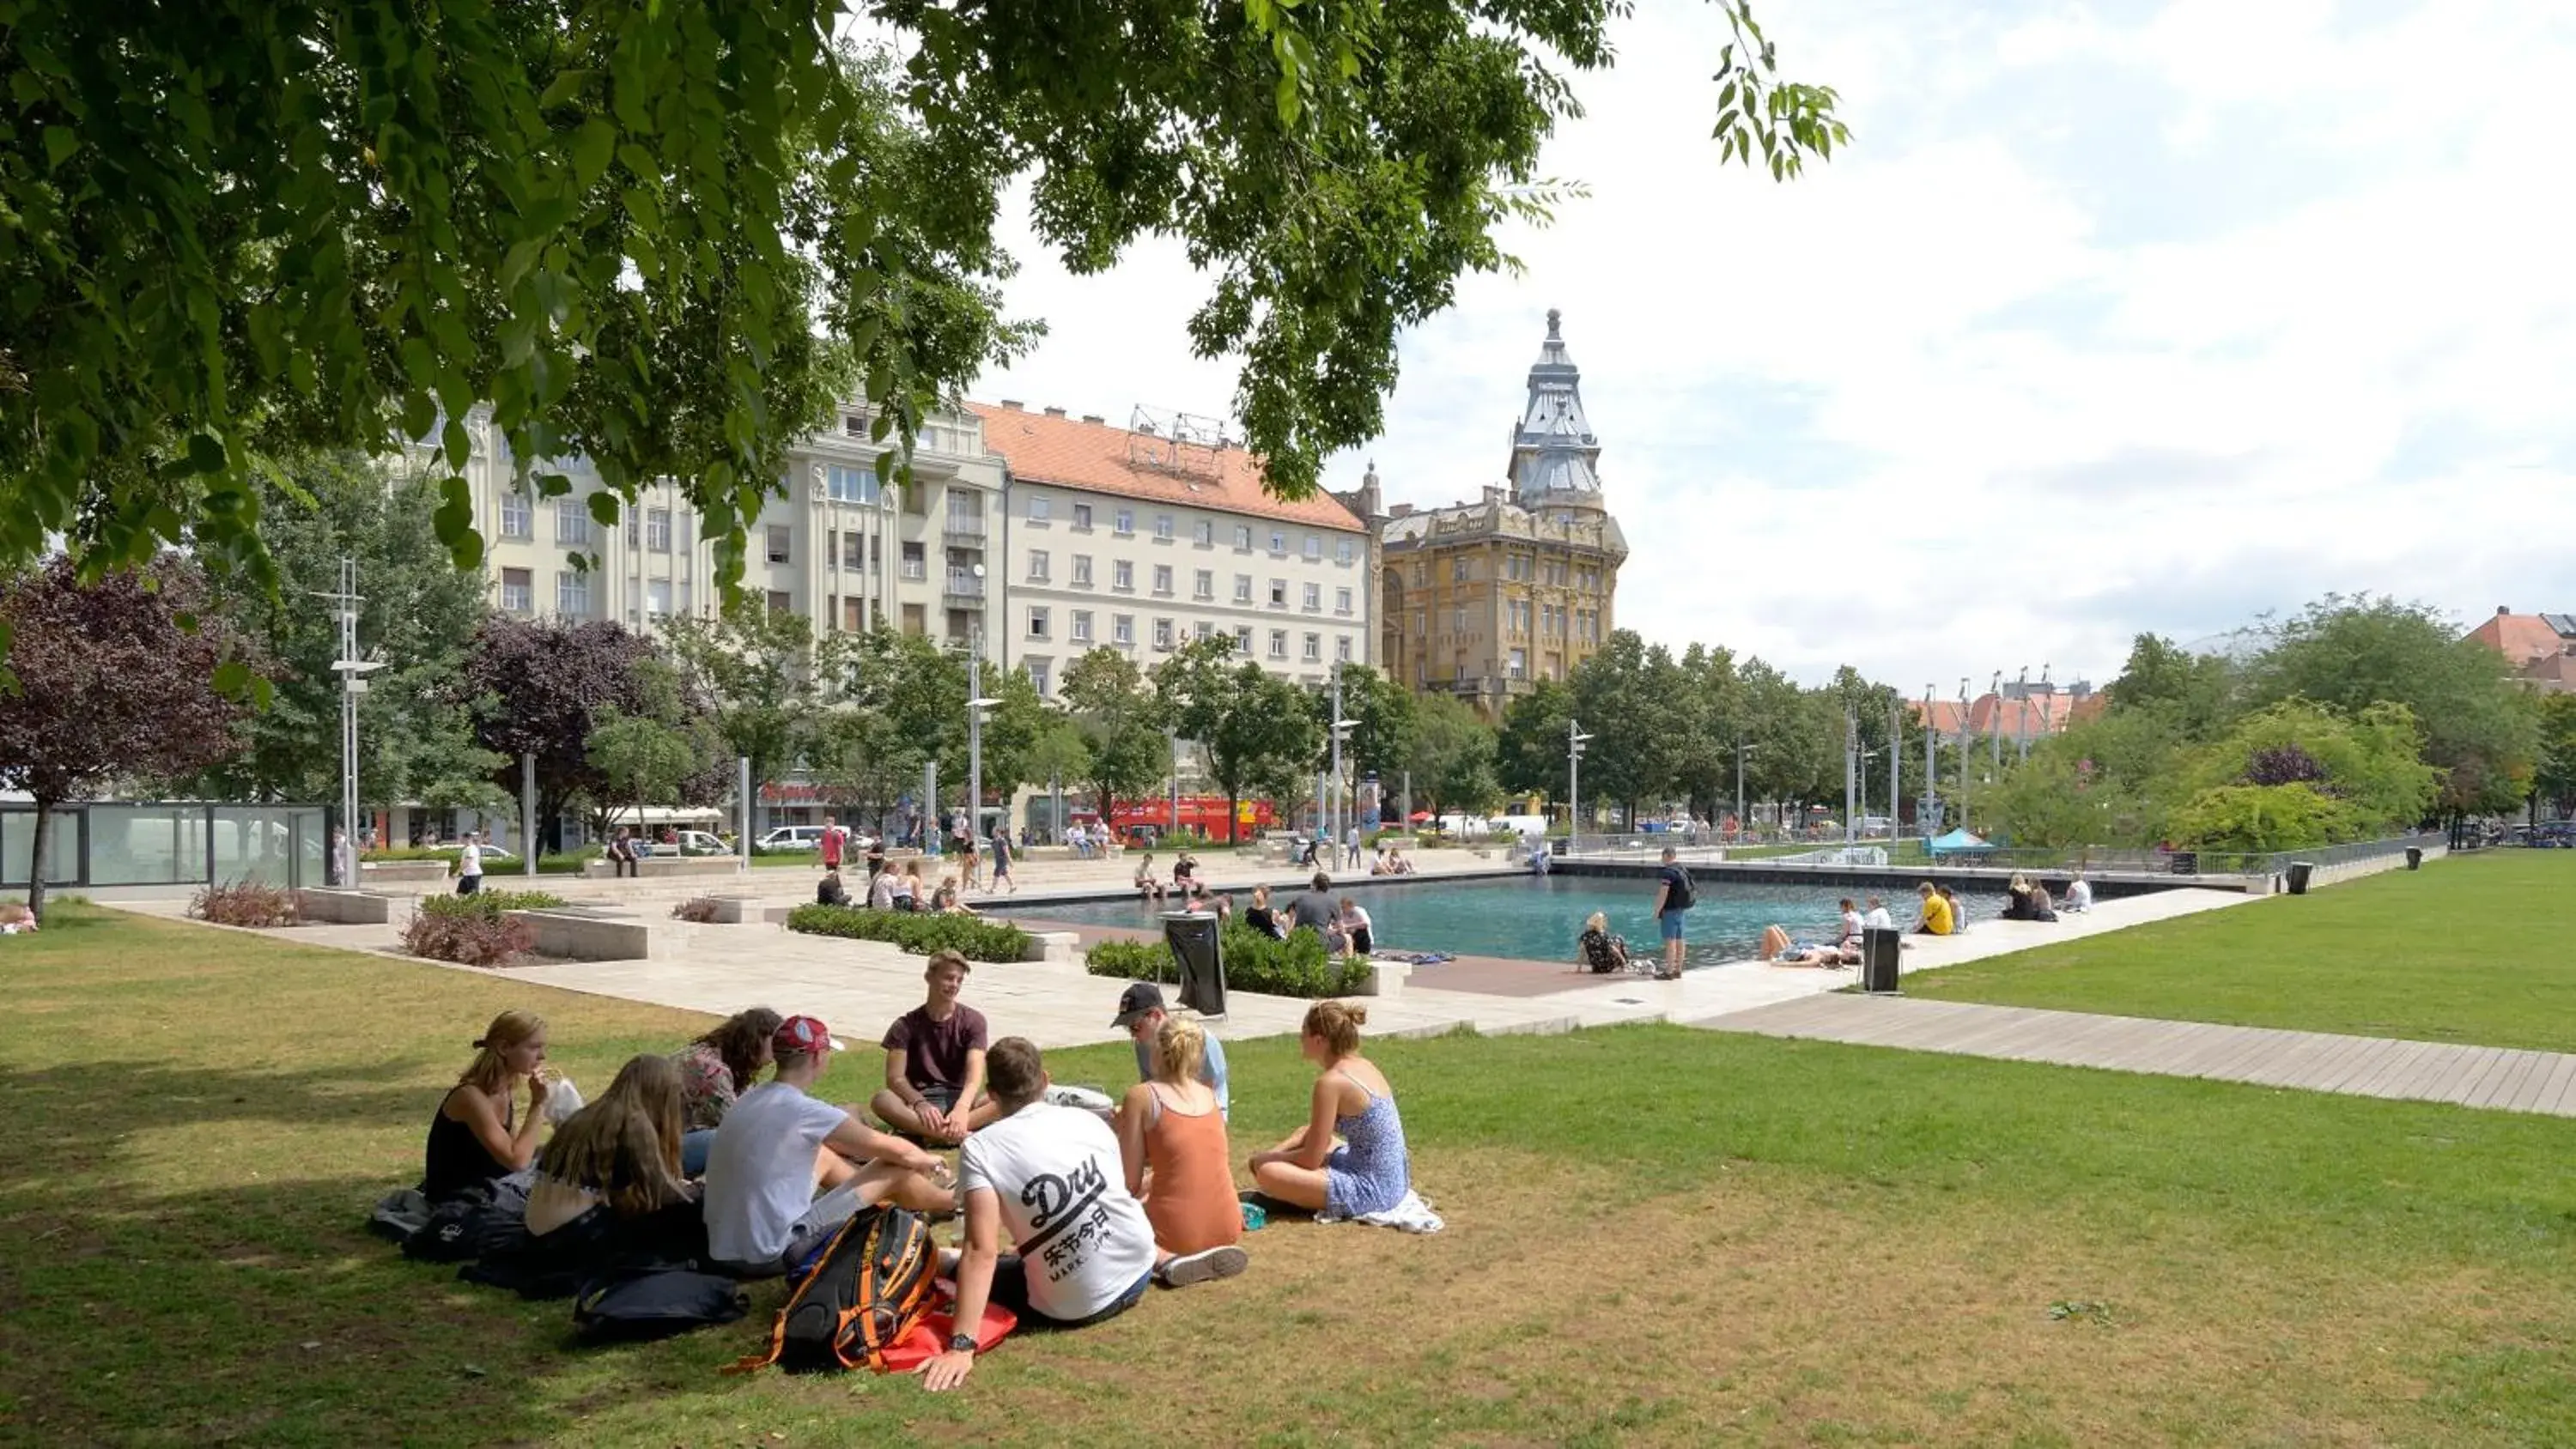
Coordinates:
x,y
1879,946
2414,857
2299,872
1195,944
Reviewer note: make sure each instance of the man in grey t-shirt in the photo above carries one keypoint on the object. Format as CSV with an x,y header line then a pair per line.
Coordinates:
x,y
1316,908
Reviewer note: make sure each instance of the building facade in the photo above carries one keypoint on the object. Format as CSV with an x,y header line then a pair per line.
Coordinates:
x,y
1484,599
2540,649
1145,537
839,548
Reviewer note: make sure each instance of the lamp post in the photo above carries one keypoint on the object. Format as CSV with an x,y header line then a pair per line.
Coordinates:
x,y
353,672
1574,738
1923,811
1741,750
1963,752
1332,812
976,704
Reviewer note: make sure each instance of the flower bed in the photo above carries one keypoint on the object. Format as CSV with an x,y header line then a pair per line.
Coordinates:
x,y
1254,961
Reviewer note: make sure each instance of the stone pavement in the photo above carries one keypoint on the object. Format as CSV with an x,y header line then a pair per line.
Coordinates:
x,y
860,985
2472,1076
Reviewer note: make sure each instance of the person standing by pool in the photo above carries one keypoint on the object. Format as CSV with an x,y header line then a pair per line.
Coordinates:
x,y
1002,859
1673,898
1351,846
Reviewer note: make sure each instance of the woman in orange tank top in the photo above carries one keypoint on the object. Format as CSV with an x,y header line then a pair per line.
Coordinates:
x,y
1172,1139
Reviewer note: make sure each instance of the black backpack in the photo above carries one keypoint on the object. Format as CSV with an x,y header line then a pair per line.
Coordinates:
x,y
632,1307
875,1280
1684,893
471,1225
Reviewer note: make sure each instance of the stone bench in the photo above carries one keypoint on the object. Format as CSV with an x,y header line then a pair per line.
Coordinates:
x,y
578,937
655,866
344,907
402,872
1058,947
1385,978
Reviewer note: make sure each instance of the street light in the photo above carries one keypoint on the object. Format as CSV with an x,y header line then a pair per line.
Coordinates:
x,y
976,704
353,672
1574,738
1340,726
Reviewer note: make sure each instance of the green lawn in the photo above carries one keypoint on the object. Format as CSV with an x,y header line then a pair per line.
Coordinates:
x,y
2465,950
1656,1236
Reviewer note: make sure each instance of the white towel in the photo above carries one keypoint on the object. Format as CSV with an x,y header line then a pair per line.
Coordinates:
x,y
1411,1215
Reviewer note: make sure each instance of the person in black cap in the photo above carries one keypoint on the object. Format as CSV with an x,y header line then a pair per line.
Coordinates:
x,y
1140,1015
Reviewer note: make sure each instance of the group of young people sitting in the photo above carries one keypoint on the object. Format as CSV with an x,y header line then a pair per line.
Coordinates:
x,y
897,888
1069,1216
1344,925
1390,861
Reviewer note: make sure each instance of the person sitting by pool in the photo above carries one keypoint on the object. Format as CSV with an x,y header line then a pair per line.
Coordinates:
x,y
948,902
1877,918
1148,888
1185,873
1383,864
1371,1172
2079,895
881,888
1403,864
909,892
2029,900
478,1138
1314,908
1223,906
830,892
1261,917
1356,927
1933,917
1776,947
1958,911
1603,953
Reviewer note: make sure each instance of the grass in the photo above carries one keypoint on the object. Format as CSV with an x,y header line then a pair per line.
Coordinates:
x,y
1656,1236
2465,950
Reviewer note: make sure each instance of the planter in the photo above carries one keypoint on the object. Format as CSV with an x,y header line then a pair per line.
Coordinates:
x,y
344,908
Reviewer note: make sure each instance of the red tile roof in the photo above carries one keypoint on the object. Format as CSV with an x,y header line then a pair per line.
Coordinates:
x,y
2520,638
1071,453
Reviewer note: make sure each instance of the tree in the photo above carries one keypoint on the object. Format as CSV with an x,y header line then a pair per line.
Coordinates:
x,y
1381,713
662,236
913,694
1121,727
642,760
1628,697
1709,718
122,678
754,670
1529,753
1259,731
417,613
1452,755
2194,690
540,688
2554,779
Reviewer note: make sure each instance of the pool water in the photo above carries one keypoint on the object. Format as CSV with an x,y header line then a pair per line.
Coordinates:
x,y
1538,918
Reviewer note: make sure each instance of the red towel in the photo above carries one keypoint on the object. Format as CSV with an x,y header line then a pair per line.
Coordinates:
x,y
929,1337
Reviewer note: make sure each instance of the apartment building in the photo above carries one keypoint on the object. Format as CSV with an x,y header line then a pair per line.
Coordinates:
x,y
1145,537
840,548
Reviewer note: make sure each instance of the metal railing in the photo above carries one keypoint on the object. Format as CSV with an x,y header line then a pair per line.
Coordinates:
x,y
2327,860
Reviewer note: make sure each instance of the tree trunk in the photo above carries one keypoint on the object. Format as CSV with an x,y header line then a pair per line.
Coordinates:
x,y
1233,809
36,862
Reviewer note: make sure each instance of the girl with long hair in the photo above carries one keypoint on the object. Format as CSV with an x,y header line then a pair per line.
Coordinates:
x,y
479,1135
1372,1171
622,1151
1171,1139
715,1070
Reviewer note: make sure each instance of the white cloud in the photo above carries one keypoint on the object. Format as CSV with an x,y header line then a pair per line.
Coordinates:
x,y
2101,327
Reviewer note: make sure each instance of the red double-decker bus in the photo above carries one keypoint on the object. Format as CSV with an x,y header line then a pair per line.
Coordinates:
x,y
1204,814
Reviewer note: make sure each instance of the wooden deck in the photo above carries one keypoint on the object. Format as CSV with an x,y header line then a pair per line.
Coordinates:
x,y
2471,1076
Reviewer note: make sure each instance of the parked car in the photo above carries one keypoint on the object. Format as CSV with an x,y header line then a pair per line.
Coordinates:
x,y
692,842
793,837
492,854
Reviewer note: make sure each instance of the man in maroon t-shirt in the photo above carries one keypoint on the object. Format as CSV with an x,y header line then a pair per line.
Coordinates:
x,y
934,1062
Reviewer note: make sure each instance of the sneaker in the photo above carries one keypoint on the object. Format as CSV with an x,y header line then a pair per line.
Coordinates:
x,y
1204,1267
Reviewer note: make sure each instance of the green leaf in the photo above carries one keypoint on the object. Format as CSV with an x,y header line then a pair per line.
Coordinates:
x,y
232,679
60,143
592,146
206,453
603,508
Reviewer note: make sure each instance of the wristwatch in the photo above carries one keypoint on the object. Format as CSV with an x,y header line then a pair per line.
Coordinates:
x,y
961,1343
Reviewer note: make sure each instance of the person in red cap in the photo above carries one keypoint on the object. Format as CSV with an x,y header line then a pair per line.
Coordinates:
x,y
785,1171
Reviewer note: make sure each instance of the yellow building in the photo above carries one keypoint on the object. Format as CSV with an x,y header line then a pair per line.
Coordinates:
x,y
1484,599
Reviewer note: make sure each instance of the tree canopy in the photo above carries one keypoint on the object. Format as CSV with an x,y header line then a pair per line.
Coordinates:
x,y
668,238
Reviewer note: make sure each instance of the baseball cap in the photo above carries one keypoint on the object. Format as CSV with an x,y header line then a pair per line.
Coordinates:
x,y
1138,999
805,1034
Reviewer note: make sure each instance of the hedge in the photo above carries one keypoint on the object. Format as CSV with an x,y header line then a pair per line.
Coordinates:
x,y
921,933
1254,961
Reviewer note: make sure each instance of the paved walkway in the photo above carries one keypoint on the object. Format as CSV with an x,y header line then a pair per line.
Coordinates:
x,y
2471,1076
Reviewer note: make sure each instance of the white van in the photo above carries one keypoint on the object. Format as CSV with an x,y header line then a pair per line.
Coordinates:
x,y
793,837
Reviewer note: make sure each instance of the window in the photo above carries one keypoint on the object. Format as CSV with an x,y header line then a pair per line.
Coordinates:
x,y
778,543
1203,533
1460,570
572,593
915,566
1038,672
1243,640
1314,549
1082,517
1163,527
1421,573
1314,598
853,613
1122,576
1082,571
1314,648
1243,588
657,598
1037,622
1162,633
1082,626
1342,647
1123,522
572,521
657,529
1461,625
1040,509
1342,552
1243,538
1279,593
851,556
850,485
1278,540
1520,664
1203,584
1037,565
1206,629
1341,601
1278,643
778,602
1163,580
1421,622
516,519
516,589
1122,629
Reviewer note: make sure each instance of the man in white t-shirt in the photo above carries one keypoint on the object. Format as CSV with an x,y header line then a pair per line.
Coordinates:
x,y
1878,919
2079,895
1050,1177
778,1148
469,865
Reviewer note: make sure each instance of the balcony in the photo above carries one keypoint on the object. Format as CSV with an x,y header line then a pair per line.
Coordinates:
x,y
963,590
965,525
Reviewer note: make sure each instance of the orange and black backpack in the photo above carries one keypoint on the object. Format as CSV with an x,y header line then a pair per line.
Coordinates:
x,y
874,1281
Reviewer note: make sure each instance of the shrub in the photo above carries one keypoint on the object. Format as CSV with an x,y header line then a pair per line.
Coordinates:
x,y
516,900
244,903
701,909
920,933
471,930
1254,961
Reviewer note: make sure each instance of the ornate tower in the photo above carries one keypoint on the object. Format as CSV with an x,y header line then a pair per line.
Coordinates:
x,y
1555,457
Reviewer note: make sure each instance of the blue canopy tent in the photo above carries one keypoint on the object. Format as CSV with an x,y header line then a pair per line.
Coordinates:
x,y
1957,842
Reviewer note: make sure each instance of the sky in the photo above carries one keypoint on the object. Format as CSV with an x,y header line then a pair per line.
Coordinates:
x,y
2113,318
